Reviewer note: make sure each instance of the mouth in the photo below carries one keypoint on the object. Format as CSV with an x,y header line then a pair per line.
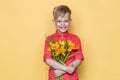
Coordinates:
x,y
62,27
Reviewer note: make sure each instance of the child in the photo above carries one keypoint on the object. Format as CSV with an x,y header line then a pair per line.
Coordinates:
x,y
62,20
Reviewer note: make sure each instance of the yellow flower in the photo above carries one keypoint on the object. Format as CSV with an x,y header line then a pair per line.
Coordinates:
x,y
69,43
70,48
62,51
61,42
50,43
55,46
57,52
76,47
49,49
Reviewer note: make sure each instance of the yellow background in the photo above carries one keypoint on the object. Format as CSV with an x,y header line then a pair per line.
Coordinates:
x,y
24,24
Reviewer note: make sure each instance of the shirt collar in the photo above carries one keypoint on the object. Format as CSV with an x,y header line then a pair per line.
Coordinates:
x,y
62,34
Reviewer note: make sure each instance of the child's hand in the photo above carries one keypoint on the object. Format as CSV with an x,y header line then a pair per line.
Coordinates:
x,y
70,69
58,73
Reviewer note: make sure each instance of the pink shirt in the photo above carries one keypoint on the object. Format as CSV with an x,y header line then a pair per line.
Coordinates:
x,y
78,54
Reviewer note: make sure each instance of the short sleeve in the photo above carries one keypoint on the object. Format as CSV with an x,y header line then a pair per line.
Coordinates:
x,y
78,53
47,54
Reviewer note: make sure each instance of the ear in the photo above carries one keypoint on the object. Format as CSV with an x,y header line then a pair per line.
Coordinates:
x,y
70,20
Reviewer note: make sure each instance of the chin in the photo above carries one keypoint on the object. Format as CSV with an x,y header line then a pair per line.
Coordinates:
x,y
62,31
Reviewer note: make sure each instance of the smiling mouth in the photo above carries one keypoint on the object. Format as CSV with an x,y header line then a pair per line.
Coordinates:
x,y
63,27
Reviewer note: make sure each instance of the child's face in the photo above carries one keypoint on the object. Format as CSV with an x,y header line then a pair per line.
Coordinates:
x,y
62,23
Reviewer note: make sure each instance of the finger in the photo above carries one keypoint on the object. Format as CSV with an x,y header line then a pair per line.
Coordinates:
x,y
55,75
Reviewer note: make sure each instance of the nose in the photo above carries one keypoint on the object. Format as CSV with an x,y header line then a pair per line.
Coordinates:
x,y
62,23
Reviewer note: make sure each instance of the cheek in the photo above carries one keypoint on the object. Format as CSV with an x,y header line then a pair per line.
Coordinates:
x,y
58,24
67,23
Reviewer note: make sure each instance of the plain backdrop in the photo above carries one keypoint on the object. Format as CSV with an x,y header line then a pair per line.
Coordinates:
x,y
24,25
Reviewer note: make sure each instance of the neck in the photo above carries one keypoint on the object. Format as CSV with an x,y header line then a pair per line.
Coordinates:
x,y
62,32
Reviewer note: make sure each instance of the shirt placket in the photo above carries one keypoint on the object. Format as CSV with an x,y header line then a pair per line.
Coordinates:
x,y
62,37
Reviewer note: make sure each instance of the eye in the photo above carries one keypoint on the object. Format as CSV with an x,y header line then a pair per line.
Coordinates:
x,y
66,20
58,21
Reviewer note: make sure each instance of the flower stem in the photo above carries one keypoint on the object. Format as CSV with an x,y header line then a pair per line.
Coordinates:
x,y
59,78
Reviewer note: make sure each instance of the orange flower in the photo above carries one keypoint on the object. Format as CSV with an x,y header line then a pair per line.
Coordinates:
x,y
55,46
62,51
49,49
76,47
57,52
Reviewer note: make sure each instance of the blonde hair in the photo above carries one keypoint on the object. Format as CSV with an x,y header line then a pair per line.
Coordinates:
x,y
61,10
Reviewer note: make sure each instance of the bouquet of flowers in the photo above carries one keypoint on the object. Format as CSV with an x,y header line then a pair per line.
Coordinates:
x,y
60,50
